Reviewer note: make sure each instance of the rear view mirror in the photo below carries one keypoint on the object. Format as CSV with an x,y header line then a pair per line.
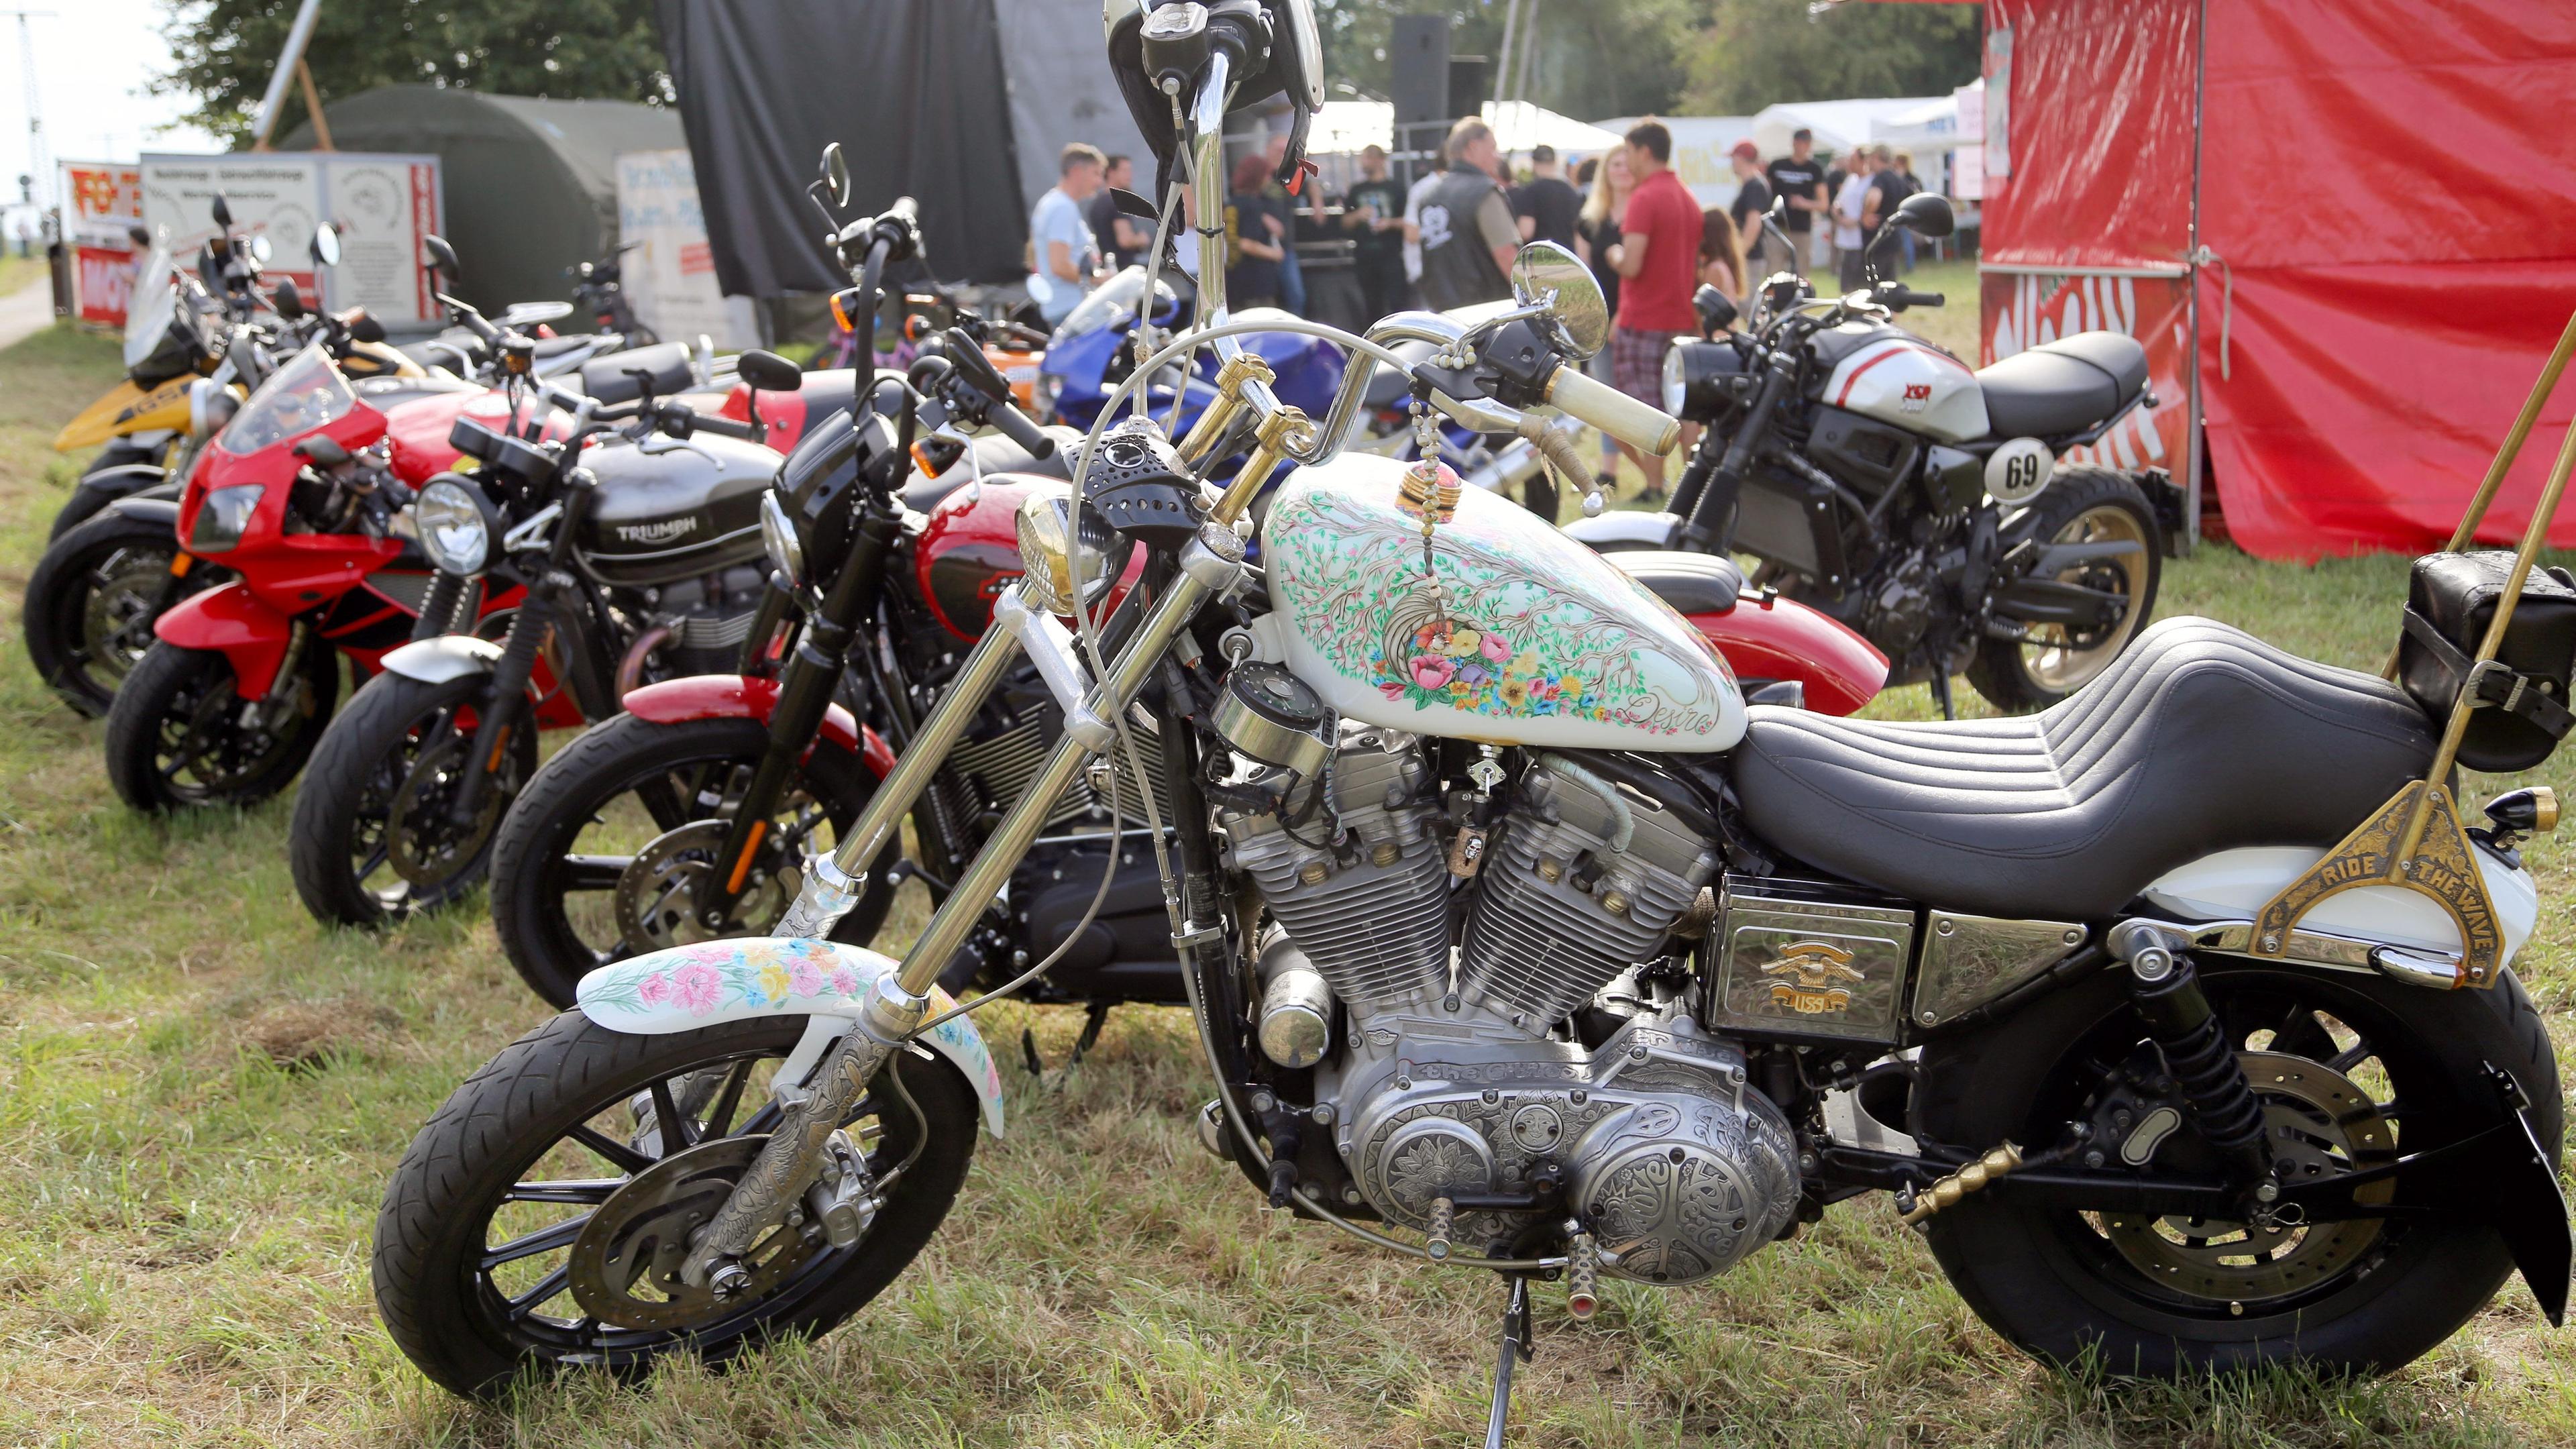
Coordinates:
x,y
1926,214
1547,275
367,329
326,246
768,372
442,257
223,211
1716,310
836,174
288,301
260,250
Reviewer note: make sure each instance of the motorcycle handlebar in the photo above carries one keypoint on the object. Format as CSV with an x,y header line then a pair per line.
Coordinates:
x,y
1640,425
722,427
1898,296
1020,428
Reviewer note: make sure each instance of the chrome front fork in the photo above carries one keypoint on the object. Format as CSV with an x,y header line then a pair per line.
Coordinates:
x,y
896,1005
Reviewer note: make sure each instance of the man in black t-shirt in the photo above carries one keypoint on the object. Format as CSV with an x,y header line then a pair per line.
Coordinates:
x,y
1546,206
1374,214
1122,240
1762,256
1887,186
1801,178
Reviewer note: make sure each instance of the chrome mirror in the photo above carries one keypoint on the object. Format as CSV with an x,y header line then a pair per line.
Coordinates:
x,y
1549,277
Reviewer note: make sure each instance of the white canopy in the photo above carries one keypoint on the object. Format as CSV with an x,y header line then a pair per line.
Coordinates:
x,y
1930,127
1839,125
1343,127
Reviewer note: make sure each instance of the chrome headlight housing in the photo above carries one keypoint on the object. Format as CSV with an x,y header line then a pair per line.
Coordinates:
x,y
211,404
456,526
223,516
1049,387
778,539
1676,381
1046,538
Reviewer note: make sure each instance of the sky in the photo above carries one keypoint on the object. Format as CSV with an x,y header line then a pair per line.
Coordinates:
x,y
92,60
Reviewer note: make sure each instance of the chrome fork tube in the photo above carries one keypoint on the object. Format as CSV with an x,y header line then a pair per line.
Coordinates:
x,y
833,883
897,1004
1207,186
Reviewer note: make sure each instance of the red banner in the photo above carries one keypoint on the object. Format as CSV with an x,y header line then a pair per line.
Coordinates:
x,y
101,205
2022,310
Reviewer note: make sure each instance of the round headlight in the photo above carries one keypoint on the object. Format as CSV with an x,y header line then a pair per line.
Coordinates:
x,y
1676,381
455,527
1045,531
211,404
778,539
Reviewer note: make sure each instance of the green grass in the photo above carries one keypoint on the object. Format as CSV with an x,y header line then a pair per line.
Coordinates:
x,y
201,1095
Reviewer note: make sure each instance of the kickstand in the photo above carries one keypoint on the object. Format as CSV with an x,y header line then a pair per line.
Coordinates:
x,y
1515,1347
1941,696
1082,1045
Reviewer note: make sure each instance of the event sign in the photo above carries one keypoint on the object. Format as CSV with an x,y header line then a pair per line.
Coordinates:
x,y
670,276
381,206
102,204
2024,309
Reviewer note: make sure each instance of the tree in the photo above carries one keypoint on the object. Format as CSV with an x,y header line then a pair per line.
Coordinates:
x,y
1756,53
562,49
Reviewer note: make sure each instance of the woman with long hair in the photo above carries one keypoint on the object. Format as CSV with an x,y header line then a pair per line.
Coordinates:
x,y
1596,231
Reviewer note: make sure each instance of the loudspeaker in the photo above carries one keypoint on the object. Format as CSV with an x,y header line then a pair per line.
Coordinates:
x,y
1418,67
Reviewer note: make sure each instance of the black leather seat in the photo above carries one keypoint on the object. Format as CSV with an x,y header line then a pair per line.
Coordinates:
x,y
994,454
2063,386
668,363
1693,583
2201,738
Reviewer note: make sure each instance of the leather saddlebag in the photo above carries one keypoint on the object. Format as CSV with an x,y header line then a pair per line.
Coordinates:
x,y
2449,604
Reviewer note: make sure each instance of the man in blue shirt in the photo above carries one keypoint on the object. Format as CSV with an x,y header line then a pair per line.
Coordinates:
x,y
1067,254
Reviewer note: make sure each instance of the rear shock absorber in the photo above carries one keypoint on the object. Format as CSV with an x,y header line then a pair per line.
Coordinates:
x,y
2166,991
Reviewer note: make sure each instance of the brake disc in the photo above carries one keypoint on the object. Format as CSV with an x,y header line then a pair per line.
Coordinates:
x,y
625,1267
423,842
657,893
2321,1125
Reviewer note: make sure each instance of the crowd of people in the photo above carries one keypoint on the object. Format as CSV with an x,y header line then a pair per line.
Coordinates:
x,y
1449,239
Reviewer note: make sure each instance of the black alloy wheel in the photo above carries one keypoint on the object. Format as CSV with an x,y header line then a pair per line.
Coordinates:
x,y
540,1219
180,735
92,601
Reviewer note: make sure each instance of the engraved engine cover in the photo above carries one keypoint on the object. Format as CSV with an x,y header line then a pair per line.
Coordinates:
x,y
1681,1168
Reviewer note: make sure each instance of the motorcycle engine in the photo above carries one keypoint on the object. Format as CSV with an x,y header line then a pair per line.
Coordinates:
x,y
1467,1075
709,618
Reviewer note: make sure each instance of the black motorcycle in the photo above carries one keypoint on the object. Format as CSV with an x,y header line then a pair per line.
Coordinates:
x,y
1882,481
627,528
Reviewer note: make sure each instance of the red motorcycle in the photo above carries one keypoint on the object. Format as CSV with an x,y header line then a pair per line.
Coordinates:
x,y
297,495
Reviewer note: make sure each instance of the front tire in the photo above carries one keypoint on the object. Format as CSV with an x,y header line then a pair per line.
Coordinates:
x,y
177,736
478,1244
2082,505
569,845
2152,1299
92,600
372,841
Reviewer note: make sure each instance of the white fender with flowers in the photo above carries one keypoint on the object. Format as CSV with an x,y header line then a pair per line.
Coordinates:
x,y
709,982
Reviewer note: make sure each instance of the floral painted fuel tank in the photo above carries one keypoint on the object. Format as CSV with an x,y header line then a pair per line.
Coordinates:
x,y
1533,640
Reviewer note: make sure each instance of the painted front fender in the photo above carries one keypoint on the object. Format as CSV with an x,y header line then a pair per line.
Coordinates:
x,y
449,656
231,621
732,696
688,987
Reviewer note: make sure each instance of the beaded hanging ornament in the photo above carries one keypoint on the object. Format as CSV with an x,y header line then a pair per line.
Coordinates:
x,y
1429,491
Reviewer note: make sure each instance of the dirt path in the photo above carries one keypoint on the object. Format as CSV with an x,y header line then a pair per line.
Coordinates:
x,y
26,311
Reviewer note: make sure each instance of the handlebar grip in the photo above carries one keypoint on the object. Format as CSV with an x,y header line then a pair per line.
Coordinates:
x,y
1612,411
1021,429
905,207
724,427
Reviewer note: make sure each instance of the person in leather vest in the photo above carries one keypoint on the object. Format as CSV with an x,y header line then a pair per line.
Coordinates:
x,y
1467,232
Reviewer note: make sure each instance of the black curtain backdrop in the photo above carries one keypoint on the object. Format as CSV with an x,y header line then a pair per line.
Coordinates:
x,y
912,89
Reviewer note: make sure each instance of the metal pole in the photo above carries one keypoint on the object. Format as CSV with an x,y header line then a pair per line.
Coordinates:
x,y
297,37
39,174
1503,59
2191,408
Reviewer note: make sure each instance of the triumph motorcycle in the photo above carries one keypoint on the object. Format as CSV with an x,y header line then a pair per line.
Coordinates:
x,y
1879,479
2180,1018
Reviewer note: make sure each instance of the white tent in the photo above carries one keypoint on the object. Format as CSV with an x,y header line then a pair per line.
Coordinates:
x,y
1343,127
1839,125
1700,147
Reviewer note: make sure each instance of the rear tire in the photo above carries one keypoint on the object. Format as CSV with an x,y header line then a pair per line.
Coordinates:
x,y
535,874
86,501
2061,1287
2082,504
451,1311
91,602
175,738
364,798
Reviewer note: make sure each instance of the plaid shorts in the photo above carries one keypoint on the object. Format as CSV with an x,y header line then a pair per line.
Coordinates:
x,y
1637,363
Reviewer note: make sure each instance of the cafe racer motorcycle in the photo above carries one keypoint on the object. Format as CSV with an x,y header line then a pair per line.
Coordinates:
x,y
1880,480
1516,941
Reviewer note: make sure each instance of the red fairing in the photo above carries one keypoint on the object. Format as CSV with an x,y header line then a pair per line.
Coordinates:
x,y
419,430
728,696
1782,639
970,552
233,622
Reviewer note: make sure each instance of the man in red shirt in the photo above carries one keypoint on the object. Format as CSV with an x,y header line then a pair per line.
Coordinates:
x,y
1657,259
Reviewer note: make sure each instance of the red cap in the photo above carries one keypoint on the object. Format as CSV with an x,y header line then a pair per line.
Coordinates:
x,y
1747,150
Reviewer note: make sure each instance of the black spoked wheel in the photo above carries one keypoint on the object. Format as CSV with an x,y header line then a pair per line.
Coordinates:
x,y
603,853
2082,505
92,600
376,836
541,1219
2352,1072
180,735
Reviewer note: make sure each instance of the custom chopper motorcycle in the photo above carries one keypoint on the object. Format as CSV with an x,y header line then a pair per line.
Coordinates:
x,y
1517,942
901,542
1879,479
620,548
